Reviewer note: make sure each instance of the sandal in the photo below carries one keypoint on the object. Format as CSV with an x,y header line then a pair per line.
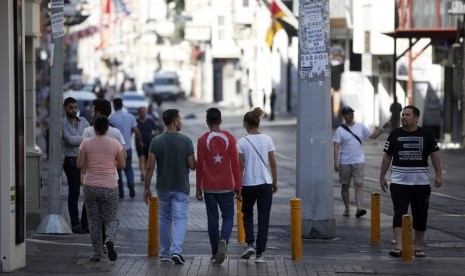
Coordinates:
x,y
396,253
95,258
419,253
346,213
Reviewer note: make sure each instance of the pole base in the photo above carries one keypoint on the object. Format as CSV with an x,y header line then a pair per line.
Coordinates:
x,y
54,224
318,229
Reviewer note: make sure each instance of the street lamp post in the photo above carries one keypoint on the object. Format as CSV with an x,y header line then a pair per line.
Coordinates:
x,y
314,144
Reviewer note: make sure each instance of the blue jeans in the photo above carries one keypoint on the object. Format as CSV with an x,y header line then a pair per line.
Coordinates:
x,y
263,195
172,217
226,203
128,172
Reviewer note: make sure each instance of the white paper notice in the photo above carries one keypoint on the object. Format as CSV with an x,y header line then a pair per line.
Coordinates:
x,y
313,64
57,25
55,4
52,52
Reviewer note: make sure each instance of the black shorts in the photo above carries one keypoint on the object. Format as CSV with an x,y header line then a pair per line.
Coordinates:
x,y
418,198
143,152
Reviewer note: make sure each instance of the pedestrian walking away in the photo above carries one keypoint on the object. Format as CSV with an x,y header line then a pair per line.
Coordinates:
x,y
349,157
127,124
73,128
98,156
173,154
148,130
256,152
219,181
408,148
100,107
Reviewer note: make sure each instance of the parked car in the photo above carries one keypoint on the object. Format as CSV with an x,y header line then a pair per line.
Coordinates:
x,y
166,86
132,100
81,96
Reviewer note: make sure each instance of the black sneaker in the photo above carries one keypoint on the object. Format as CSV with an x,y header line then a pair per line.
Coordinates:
x,y
132,192
177,258
77,229
112,255
360,213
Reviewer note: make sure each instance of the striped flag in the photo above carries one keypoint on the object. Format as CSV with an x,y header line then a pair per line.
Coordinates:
x,y
276,13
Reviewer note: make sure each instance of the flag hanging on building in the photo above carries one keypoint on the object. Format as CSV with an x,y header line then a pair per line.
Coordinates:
x,y
276,13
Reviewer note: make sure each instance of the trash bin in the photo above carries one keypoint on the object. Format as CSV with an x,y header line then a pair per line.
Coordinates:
x,y
33,188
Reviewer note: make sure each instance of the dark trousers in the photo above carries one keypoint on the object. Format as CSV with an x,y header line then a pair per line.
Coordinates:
x,y
128,172
73,175
226,203
263,195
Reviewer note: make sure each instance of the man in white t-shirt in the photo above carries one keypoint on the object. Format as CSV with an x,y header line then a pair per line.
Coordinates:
x,y
349,157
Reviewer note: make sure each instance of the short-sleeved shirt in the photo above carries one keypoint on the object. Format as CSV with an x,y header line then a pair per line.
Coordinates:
x,y
410,151
171,150
125,122
101,153
255,171
351,151
147,131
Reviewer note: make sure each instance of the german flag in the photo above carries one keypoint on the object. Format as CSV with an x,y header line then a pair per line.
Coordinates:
x,y
276,13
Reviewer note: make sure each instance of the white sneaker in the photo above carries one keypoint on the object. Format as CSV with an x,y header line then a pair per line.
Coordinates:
x,y
249,251
260,259
165,259
221,254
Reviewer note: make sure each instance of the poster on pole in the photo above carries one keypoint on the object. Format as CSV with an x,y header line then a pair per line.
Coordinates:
x,y
57,4
57,25
314,40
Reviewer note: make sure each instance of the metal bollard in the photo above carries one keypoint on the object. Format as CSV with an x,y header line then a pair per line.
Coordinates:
x,y
240,223
407,240
375,218
296,229
153,227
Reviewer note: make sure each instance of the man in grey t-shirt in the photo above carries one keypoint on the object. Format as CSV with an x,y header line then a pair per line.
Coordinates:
x,y
173,152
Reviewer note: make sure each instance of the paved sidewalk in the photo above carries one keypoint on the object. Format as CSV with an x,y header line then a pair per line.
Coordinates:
x,y
349,253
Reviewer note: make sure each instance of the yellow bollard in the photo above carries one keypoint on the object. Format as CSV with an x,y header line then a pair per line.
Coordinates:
x,y
153,227
240,223
296,229
375,218
407,238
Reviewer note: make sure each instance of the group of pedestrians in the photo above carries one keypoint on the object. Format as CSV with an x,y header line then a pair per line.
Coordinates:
x,y
97,163
407,149
224,171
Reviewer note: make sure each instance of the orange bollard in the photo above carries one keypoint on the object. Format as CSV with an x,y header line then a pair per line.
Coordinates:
x,y
296,229
240,223
375,218
407,238
153,227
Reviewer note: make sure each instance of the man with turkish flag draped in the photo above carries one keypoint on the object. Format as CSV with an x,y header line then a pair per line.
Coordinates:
x,y
218,181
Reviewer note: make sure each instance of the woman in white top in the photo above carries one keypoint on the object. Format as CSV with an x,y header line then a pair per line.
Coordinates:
x,y
256,152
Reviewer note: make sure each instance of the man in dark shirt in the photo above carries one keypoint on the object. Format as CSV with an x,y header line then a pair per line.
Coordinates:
x,y
408,148
173,152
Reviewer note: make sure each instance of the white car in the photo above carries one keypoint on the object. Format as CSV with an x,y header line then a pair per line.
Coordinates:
x,y
132,101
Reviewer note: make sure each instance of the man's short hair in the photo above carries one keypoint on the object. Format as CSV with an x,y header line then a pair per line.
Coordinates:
x,y
118,103
213,116
68,101
415,110
102,106
169,116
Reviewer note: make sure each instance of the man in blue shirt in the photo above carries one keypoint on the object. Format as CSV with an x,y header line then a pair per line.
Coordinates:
x,y
126,123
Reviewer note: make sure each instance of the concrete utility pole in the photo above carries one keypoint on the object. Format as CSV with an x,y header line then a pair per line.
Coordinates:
x,y
314,132
54,222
